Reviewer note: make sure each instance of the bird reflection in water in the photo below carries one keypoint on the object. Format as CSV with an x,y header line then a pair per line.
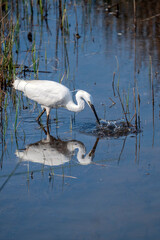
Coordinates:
x,y
54,152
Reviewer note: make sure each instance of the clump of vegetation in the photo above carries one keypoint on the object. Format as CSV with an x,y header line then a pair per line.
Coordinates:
x,y
128,125
6,48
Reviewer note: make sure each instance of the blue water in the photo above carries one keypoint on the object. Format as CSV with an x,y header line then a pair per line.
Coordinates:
x,y
112,193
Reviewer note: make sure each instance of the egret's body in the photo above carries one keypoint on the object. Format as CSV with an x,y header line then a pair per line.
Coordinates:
x,y
55,152
51,94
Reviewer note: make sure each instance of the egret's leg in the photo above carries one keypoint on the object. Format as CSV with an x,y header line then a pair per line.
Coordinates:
x,y
40,115
42,127
47,119
47,123
48,112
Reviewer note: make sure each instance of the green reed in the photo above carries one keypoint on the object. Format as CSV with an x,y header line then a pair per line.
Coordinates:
x,y
35,60
5,122
41,8
64,21
16,115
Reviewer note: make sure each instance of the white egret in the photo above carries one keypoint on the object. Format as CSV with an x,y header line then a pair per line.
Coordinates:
x,y
51,94
55,152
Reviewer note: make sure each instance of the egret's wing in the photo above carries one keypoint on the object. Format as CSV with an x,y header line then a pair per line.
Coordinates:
x,y
43,154
47,93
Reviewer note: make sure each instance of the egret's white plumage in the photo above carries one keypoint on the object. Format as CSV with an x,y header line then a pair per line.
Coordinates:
x,y
51,94
55,152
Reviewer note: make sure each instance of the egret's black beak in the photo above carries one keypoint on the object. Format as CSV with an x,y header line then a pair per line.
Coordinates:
x,y
93,109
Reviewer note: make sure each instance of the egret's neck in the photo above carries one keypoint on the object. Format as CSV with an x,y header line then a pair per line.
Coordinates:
x,y
82,159
71,106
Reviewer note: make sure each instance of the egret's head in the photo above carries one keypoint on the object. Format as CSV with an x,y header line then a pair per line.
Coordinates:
x,y
88,98
81,154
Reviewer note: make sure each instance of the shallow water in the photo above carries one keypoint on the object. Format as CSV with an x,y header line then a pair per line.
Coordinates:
x,y
77,183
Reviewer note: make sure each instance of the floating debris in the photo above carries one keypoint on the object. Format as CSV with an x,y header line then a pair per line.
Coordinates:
x,y
30,36
77,35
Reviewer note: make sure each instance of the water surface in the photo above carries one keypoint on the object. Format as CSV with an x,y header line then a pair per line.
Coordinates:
x,y
81,185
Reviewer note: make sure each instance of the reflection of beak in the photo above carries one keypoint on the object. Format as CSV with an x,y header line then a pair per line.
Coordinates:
x,y
91,153
93,109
